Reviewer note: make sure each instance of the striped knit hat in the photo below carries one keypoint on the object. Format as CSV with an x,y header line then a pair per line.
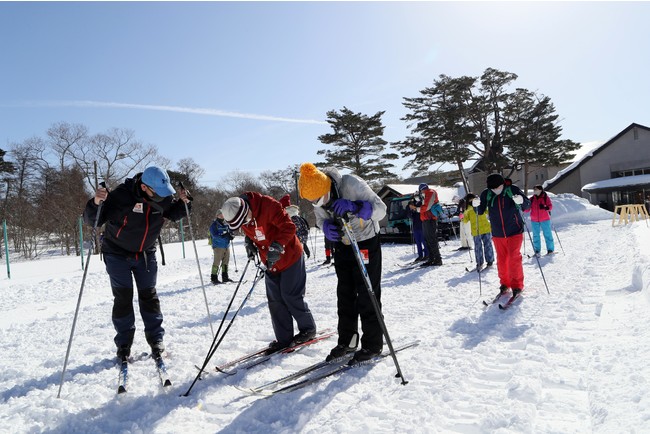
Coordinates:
x,y
234,212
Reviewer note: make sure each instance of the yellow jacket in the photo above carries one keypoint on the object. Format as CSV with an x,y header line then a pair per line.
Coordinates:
x,y
483,222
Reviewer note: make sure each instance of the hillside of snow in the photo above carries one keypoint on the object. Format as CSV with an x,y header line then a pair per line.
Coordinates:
x,y
572,361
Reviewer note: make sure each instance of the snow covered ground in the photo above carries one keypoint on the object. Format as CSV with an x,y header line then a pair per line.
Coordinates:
x,y
576,360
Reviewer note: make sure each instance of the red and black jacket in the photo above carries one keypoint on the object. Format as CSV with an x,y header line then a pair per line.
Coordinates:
x,y
132,223
271,223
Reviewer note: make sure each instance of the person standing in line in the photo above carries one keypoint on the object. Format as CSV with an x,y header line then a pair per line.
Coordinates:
x,y
416,227
429,224
338,197
221,236
134,213
329,252
464,227
482,233
503,202
302,227
270,233
540,218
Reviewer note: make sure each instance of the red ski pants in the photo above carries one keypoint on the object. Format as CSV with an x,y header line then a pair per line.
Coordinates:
x,y
511,270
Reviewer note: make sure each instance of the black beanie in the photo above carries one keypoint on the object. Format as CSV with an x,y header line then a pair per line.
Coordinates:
x,y
494,180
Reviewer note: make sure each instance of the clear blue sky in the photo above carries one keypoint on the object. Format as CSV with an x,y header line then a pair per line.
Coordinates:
x,y
246,85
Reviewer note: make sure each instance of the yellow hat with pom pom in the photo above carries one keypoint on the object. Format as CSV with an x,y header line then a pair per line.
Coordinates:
x,y
313,183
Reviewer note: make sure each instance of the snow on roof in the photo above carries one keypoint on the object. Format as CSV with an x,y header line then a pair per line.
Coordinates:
x,y
404,188
586,150
617,182
445,194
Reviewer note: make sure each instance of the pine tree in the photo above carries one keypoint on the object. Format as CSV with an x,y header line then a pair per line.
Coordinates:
x,y
479,118
358,144
442,130
534,136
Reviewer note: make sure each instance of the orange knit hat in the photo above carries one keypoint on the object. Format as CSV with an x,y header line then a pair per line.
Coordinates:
x,y
313,183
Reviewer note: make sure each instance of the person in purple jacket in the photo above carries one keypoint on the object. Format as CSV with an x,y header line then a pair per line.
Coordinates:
x,y
540,218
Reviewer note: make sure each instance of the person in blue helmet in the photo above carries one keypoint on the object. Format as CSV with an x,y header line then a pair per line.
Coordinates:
x,y
134,213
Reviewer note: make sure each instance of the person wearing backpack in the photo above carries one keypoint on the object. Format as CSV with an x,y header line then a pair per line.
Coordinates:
x,y
504,203
429,212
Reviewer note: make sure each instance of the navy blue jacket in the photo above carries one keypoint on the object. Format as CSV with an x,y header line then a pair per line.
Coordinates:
x,y
132,223
220,234
504,216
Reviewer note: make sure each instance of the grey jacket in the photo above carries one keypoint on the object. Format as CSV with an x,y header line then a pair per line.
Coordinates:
x,y
353,188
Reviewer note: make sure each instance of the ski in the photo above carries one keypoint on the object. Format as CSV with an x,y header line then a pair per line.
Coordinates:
x,y
162,370
290,349
336,370
473,270
410,266
509,302
495,299
123,376
300,373
255,358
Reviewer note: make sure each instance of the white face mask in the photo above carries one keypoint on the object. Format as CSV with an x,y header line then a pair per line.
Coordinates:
x,y
322,200
249,217
497,190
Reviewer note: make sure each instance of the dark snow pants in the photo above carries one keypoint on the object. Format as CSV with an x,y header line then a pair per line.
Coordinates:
x,y
285,292
430,230
353,299
122,270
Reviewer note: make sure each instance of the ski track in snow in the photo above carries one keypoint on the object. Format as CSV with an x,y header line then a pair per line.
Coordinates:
x,y
565,362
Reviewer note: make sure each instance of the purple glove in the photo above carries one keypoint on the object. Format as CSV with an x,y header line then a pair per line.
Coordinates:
x,y
365,209
331,230
342,207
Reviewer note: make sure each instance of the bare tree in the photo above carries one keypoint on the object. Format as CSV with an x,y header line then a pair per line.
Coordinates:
x,y
239,182
64,139
191,171
114,155
280,182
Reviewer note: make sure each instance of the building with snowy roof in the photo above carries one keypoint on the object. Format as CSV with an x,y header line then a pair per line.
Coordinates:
x,y
616,172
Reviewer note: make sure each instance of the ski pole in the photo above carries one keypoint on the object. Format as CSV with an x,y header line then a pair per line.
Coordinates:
x,y
313,242
469,251
234,258
81,290
539,265
476,246
412,234
215,344
366,279
556,235
196,254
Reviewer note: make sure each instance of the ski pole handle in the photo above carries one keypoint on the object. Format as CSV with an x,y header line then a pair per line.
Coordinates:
x,y
187,192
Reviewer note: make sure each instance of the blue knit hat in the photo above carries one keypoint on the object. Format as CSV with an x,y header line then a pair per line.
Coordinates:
x,y
158,180
423,186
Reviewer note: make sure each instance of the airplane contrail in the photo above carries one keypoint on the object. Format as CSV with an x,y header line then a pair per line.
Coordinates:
x,y
199,111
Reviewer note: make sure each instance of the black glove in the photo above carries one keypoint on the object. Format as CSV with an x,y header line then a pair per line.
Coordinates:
x,y
275,251
542,206
251,250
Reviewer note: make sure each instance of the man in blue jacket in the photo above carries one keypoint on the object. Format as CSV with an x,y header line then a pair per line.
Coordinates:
x,y
504,203
134,213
